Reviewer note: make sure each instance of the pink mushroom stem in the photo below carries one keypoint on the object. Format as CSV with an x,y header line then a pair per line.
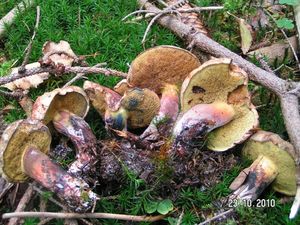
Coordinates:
x,y
73,191
81,135
162,123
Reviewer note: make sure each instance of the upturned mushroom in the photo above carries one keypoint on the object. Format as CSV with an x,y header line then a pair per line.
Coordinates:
x,y
273,164
101,97
194,125
141,106
161,124
66,108
135,109
23,153
161,65
220,80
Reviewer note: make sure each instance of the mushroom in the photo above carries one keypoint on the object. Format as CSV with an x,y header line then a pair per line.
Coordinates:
x,y
273,163
102,98
136,108
23,153
66,108
161,124
141,106
199,120
219,80
161,65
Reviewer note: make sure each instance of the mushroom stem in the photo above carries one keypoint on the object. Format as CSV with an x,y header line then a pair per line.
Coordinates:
x,y
161,124
261,173
81,135
197,122
74,191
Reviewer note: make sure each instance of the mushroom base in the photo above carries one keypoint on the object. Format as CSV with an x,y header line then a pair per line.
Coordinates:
x,y
73,191
252,181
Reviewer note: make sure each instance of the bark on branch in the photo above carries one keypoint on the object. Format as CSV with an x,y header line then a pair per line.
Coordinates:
x,y
60,71
285,90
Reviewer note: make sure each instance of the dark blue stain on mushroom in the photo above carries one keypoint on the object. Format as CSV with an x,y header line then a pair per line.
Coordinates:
x,y
197,89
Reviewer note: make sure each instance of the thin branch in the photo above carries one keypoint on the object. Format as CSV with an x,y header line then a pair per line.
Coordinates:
x,y
39,191
192,10
29,47
219,216
83,215
65,70
22,204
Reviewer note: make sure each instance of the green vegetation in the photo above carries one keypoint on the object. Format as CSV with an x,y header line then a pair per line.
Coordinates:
x,y
94,28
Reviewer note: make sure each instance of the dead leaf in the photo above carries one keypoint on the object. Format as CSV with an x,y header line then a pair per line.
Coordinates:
x,y
59,53
277,50
246,36
27,82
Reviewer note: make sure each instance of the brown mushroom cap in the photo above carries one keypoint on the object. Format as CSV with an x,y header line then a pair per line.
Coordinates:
x,y
102,97
219,80
141,105
72,99
161,65
279,151
15,141
122,87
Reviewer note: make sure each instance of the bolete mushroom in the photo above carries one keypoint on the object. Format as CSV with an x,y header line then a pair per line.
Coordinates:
x,y
161,124
136,108
273,163
102,98
161,65
23,153
220,80
141,106
66,108
198,121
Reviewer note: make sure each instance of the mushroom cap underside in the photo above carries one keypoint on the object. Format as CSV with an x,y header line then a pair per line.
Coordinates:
x,y
16,139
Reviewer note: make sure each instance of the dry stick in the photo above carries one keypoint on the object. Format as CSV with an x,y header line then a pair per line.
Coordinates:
x,y
283,89
9,17
223,214
192,10
80,75
84,215
22,204
29,46
76,69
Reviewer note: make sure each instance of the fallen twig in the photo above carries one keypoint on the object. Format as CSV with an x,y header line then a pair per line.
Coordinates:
x,y
83,215
22,204
75,69
219,216
289,101
9,17
29,47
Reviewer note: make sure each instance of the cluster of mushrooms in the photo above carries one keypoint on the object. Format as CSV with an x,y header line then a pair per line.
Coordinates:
x,y
179,102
